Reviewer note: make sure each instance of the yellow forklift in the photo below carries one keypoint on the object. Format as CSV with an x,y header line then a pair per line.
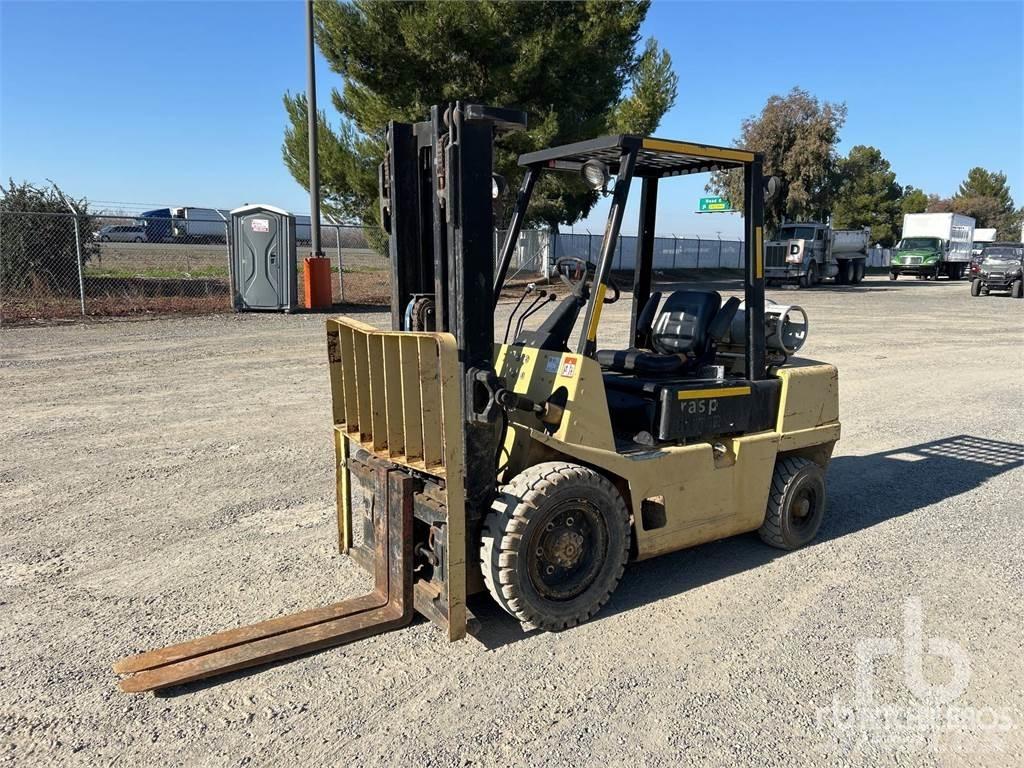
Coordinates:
x,y
535,468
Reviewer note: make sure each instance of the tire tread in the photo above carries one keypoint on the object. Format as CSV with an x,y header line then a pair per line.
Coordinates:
x,y
503,530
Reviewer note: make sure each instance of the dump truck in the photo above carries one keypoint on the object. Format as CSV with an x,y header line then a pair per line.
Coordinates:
x,y
933,244
535,467
804,252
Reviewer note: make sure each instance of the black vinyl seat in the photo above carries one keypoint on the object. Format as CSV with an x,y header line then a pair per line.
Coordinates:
x,y
679,337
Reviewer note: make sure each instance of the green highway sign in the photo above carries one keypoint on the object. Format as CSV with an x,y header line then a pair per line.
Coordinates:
x,y
714,205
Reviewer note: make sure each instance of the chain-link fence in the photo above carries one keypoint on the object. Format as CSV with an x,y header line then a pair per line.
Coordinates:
x,y
670,252
62,265
57,265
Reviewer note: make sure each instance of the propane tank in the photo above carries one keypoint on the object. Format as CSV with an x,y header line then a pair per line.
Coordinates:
x,y
785,328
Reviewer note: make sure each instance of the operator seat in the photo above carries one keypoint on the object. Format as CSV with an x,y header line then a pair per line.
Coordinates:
x,y
678,338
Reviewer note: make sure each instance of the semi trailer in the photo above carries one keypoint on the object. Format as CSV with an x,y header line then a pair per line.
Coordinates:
x,y
933,244
192,224
804,252
185,224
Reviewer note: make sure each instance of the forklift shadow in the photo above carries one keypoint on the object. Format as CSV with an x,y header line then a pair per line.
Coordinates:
x,y
863,491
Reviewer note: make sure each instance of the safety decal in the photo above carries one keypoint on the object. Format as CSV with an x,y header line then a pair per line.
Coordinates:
x,y
569,367
260,225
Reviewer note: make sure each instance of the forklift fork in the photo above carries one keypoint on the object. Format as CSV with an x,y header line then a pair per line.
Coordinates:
x,y
389,606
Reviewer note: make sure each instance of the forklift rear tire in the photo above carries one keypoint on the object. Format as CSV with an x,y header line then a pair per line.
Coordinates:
x,y
555,545
894,275
796,504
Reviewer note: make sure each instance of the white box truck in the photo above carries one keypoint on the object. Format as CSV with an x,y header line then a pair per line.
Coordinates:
x,y
982,237
933,244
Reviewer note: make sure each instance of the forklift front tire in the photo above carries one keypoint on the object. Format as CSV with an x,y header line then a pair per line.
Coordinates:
x,y
555,545
1017,289
796,504
975,287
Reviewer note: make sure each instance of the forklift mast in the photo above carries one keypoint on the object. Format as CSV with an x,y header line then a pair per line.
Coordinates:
x,y
437,207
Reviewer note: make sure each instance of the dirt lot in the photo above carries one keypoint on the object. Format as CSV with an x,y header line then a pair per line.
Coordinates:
x,y
163,479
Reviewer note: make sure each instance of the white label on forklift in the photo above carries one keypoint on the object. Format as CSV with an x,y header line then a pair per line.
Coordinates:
x,y
569,367
551,366
261,225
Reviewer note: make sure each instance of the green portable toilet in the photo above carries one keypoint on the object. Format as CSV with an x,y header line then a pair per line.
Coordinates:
x,y
263,262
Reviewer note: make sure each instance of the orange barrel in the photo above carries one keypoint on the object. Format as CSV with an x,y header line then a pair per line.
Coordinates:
x,y
317,283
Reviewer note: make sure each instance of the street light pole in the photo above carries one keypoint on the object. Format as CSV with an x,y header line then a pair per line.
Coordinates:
x,y
314,160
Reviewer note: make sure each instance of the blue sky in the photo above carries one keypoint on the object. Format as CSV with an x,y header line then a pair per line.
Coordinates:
x,y
180,103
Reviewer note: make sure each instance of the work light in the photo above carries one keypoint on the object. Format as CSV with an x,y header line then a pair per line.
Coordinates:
x,y
595,173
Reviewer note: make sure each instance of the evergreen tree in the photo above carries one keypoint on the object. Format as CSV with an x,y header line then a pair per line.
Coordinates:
x,y
576,69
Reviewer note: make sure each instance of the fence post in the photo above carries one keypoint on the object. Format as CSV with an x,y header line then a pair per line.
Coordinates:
x,y
78,252
231,264
719,236
675,244
2,281
341,274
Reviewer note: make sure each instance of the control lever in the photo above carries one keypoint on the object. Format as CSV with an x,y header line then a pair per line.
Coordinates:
x,y
543,298
530,288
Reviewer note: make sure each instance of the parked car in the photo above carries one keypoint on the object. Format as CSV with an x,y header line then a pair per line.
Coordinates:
x,y
1001,269
121,233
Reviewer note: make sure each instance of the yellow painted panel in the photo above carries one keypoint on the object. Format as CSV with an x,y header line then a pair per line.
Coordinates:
x,y
703,501
393,396
759,253
595,319
337,373
344,498
447,365
695,394
430,397
348,372
378,415
698,150
412,412
809,397
360,346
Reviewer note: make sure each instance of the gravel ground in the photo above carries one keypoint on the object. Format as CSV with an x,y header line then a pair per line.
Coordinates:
x,y
167,478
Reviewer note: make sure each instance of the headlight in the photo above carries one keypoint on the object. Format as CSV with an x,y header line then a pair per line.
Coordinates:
x,y
596,174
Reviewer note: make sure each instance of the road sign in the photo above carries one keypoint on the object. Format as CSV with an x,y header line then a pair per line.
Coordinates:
x,y
714,205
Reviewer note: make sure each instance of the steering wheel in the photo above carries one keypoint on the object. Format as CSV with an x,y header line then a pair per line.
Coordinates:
x,y
588,270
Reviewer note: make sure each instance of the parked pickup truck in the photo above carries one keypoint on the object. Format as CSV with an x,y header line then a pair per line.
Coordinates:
x,y
807,251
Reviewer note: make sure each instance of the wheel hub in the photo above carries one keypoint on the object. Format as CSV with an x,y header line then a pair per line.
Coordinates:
x,y
565,549
801,507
